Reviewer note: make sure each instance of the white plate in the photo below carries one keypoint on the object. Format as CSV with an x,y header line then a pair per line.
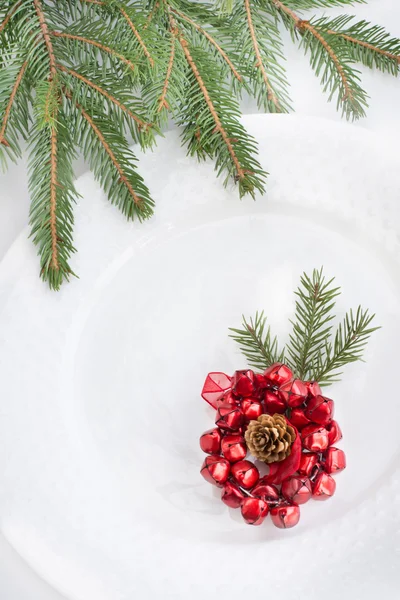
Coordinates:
x,y
100,412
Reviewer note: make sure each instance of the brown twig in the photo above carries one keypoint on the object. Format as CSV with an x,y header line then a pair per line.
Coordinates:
x,y
70,36
259,64
10,104
104,93
163,102
53,198
137,200
7,18
137,35
211,40
306,26
46,37
355,41
218,125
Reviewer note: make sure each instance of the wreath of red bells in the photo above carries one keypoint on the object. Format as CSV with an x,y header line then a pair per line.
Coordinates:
x,y
306,473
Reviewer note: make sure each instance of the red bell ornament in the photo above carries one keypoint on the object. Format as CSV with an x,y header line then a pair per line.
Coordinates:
x,y
210,441
251,409
231,495
267,492
320,410
297,489
234,448
229,418
324,486
335,460
245,473
261,382
278,374
313,389
285,516
274,404
227,398
294,393
308,463
334,432
298,418
214,387
215,470
254,510
243,383
315,438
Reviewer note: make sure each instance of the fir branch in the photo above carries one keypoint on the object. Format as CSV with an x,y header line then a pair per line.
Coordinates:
x,y
102,47
46,36
9,16
312,324
351,338
162,100
10,103
256,343
137,35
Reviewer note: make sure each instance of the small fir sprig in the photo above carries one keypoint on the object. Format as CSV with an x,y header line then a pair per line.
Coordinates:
x,y
87,75
313,353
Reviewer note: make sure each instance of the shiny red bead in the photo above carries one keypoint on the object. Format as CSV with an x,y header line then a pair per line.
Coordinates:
x,y
231,495
285,516
234,447
214,387
334,432
315,438
320,410
324,486
251,409
215,470
245,473
278,374
210,441
254,510
298,418
308,463
273,403
243,383
294,393
229,418
267,492
297,488
335,460
313,389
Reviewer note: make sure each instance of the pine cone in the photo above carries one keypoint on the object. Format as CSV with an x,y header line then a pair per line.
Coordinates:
x,y
270,438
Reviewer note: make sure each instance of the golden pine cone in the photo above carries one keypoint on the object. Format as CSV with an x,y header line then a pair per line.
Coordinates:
x,y
270,438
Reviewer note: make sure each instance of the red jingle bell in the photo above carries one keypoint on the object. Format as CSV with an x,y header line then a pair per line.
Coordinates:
x,y
210,441
215,470
214,387
313,389
234,447
229,418
294,393
254,510
298,418
285,516
335,460
297,488
251,409
278,374
231,495
308,463
273,404
315,438
320,410
334,432
227,398
261,382
245,473
243,383
324,486
267,492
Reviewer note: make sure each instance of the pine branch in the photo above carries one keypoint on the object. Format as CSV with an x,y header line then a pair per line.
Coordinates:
x,y
351,338
163,97
312,324
256,342
9,16
137,35
10,104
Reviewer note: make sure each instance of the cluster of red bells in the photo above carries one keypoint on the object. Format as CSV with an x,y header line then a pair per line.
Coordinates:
x,y
306,473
